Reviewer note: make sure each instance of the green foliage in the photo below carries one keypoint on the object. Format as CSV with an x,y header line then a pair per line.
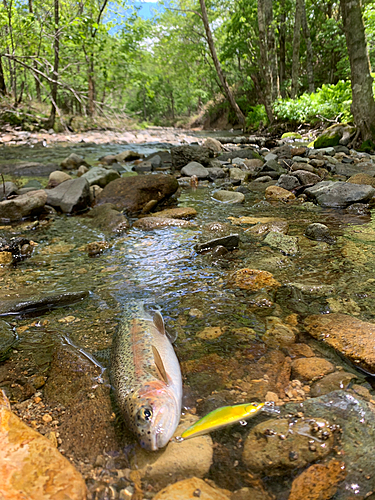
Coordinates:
x,y
256,116
329,102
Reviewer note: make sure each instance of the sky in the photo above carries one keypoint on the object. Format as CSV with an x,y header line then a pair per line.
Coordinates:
x,y
146,8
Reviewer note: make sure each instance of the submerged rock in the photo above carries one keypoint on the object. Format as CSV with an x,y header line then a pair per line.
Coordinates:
x,y
190,489
253,279
288,245
353,338
149,223
7,339
319,232
107,218
131,194
9,306
311,368
31,466
230,242
229,196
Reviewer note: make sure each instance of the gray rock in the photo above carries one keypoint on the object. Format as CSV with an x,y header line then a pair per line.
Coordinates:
x,y
345,169
73,161
301,159
288,182
145,166
215,173
155,161
339,194
70,196
236,174
288,245
273,165
322,151
29,169
319,232
238,161
264,178
22,206
8,188
31,305
230,242
270,156
306,177
7,339
229,196
247,153
182,155
303,166
195,168
100,176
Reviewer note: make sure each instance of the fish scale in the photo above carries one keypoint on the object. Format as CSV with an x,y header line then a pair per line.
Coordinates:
x,y
146,377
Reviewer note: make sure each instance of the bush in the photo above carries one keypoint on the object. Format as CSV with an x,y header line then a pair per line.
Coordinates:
x,y
256,116
330,101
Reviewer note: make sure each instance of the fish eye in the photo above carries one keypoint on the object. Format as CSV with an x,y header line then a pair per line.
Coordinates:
x,y
145,414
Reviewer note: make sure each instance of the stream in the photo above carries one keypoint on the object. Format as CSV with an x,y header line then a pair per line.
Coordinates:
x,y
59,364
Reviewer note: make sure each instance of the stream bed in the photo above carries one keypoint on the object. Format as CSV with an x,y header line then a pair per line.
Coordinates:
x,y
235,344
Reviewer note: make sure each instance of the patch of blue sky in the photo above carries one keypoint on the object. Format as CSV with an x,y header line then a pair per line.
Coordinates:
x,y
116,13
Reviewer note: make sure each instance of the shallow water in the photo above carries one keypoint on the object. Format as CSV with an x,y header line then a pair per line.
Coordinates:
x,y
162,268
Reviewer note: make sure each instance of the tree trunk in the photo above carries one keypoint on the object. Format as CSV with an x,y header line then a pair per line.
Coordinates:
x,y
271,48
36,78
91,88
296,47
56,50
265,69
3,88
363,104
220,74
309,50
282,50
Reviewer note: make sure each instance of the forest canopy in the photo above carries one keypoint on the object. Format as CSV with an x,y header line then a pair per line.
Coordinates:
x,y
285,60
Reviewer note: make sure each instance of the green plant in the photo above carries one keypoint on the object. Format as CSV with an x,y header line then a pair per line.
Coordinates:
x,y
255,116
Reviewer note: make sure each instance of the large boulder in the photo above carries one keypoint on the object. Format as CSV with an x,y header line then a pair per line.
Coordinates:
x,y
132,194
100,176
339,194
70,196
339,133
22,206
182,155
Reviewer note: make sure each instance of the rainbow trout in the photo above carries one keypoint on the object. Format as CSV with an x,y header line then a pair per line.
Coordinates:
x,y
146,377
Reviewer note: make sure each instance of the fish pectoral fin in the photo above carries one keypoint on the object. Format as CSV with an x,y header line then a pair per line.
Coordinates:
x,y
159,322
160,365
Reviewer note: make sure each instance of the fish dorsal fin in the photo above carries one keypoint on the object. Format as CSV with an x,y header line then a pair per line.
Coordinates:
x,y
160,365
159,322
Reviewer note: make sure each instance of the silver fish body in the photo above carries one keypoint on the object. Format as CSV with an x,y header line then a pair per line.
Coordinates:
x,y
146,377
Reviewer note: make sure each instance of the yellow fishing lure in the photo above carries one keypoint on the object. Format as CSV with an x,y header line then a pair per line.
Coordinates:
x,y
222,417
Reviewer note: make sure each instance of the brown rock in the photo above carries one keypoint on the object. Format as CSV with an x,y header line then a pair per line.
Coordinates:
x,y
132,193
56,178
176,213
30,466
149,223
26,204
107,218
300,151
278,334
96,248
253,279
332,382
300,351
213,144
191,489
276,193
318,482
362,178
6,258
279,445
253,163
350,336
311,368
278,226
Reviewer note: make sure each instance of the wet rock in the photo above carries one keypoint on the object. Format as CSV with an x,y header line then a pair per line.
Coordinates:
x,y
213,144
339,194
218,252
319,232
306,177
230,242
191,489
100,176
149,223
275,193
96,248
19,247
311,368
25,306
278,334
72,162
228,196
211,333
276,447
189,458
353,338
217,229
253,279
332,382
288,245
56,178
182,155
7,339
7,189
305,297
107,218
24,205
300,350
318,482
195,168
176,213
362,178
50,475
359,209
275,225
131,194
287,182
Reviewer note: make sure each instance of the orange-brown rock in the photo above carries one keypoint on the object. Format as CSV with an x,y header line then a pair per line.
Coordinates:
x,y
276,193
311,368
350,336
30,466
176,213
362,178
253,279
318,482
191,489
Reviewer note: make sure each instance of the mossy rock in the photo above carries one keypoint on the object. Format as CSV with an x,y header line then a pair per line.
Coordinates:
x,y
291,135
333,135
367,146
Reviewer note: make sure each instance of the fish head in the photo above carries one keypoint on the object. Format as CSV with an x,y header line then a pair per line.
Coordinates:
x,y
157,415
